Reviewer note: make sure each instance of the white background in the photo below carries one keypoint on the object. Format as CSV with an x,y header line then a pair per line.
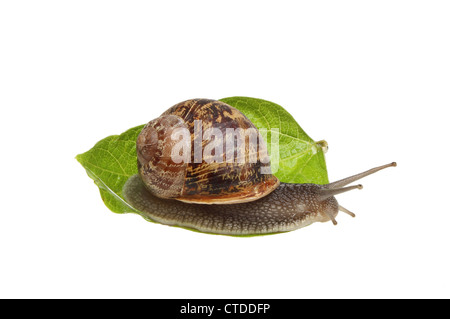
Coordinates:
x,y
370,77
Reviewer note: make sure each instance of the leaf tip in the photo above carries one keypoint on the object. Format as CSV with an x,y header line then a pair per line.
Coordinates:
x,y
323,145
80,159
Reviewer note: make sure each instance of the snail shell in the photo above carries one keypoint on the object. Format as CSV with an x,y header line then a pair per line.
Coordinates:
x,y
205,181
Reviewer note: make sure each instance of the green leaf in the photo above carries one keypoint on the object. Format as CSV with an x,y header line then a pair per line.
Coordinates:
x,y
301,159
110,163
113,159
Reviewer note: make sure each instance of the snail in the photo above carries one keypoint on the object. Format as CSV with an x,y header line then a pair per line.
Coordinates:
x,y
223,197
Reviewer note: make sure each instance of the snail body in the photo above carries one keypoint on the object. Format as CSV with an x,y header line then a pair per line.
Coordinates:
x,y
222,197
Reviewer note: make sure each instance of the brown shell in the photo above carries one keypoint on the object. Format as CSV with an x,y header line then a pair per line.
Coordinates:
x,y
205,183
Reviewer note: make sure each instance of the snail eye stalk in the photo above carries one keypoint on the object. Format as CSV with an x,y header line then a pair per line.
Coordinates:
x,y
327,193
356,177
